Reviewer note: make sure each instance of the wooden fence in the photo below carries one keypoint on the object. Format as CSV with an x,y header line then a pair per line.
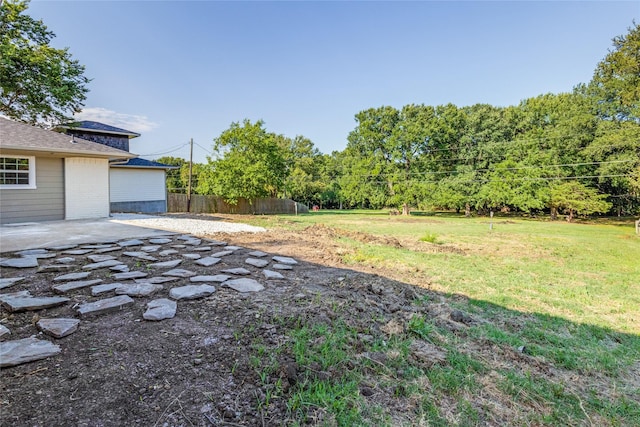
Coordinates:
x,y
212,204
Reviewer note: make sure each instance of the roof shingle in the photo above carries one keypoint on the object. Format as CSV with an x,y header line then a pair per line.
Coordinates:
x,y
18,136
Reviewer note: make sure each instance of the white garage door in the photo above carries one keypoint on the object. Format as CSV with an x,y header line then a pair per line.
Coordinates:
x,y
86,188
135,185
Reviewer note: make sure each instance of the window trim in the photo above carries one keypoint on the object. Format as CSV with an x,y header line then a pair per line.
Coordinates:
x,y
32,174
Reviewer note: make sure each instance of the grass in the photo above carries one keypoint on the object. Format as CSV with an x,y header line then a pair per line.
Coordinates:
x,y
587,273
565,296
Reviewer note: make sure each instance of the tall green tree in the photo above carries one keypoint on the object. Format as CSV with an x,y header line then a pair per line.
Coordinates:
x,y
304,164
38,83
369,158
249,163
616,80
615,95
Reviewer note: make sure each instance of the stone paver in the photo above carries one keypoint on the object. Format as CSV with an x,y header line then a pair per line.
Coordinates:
x,y
78,251
58,328
107,287
55,268
216,243
100,258
101,246
6,282
121,268
166,264
24,262
24,301
221,254
244,285
104,306
191,292
284,260
156,280
193,242
160,309
237,271
62,247
16,352
72,276
272,275
215,278
282,267
129,275
160,241
102,264
138,289
132,242
233,248
32,252
207,261
153,248
37,253
4,331
202,249
109,249
65,260
168,252
72,286
192,256
140,255
178,272
257,262
258,254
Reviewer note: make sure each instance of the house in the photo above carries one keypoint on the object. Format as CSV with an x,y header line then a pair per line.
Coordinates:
x,y
136,185
46,175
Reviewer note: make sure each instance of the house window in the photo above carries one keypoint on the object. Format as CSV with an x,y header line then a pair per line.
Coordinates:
x,y
17,172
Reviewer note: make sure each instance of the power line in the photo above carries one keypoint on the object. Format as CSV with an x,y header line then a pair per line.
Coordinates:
x,y
165,152
484,181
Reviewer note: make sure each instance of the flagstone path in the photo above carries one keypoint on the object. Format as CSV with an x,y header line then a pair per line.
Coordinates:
x,y
111,277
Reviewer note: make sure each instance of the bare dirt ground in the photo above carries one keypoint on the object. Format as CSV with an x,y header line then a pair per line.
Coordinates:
x,y
199,368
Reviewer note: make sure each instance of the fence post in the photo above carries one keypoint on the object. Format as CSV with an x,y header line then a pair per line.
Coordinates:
x,y
638,227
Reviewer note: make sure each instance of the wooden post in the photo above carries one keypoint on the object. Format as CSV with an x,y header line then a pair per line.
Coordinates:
x,y
491,221
638,227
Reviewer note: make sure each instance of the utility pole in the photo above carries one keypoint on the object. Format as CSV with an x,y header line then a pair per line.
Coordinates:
x,y
190,172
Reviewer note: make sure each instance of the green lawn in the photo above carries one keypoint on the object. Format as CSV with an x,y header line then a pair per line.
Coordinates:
x,y
558,344
586,273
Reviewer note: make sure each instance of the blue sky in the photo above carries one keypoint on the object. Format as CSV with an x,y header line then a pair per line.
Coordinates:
x,y
175,70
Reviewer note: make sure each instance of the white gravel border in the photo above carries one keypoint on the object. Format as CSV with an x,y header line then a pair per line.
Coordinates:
x,y
184,225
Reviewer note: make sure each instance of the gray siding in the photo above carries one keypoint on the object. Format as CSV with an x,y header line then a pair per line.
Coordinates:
x,y
45,203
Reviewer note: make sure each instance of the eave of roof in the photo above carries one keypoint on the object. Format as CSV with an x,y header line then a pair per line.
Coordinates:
x,y
97,127
23,138
139,163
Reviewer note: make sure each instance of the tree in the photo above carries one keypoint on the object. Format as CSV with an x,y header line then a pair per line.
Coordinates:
x,y
38,83
615,95
250,163
616,80
573,197
174,178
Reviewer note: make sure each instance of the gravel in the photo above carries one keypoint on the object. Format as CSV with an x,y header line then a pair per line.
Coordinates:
x,y
185,225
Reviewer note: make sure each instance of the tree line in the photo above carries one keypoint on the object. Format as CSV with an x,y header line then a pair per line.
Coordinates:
x,y
572,153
